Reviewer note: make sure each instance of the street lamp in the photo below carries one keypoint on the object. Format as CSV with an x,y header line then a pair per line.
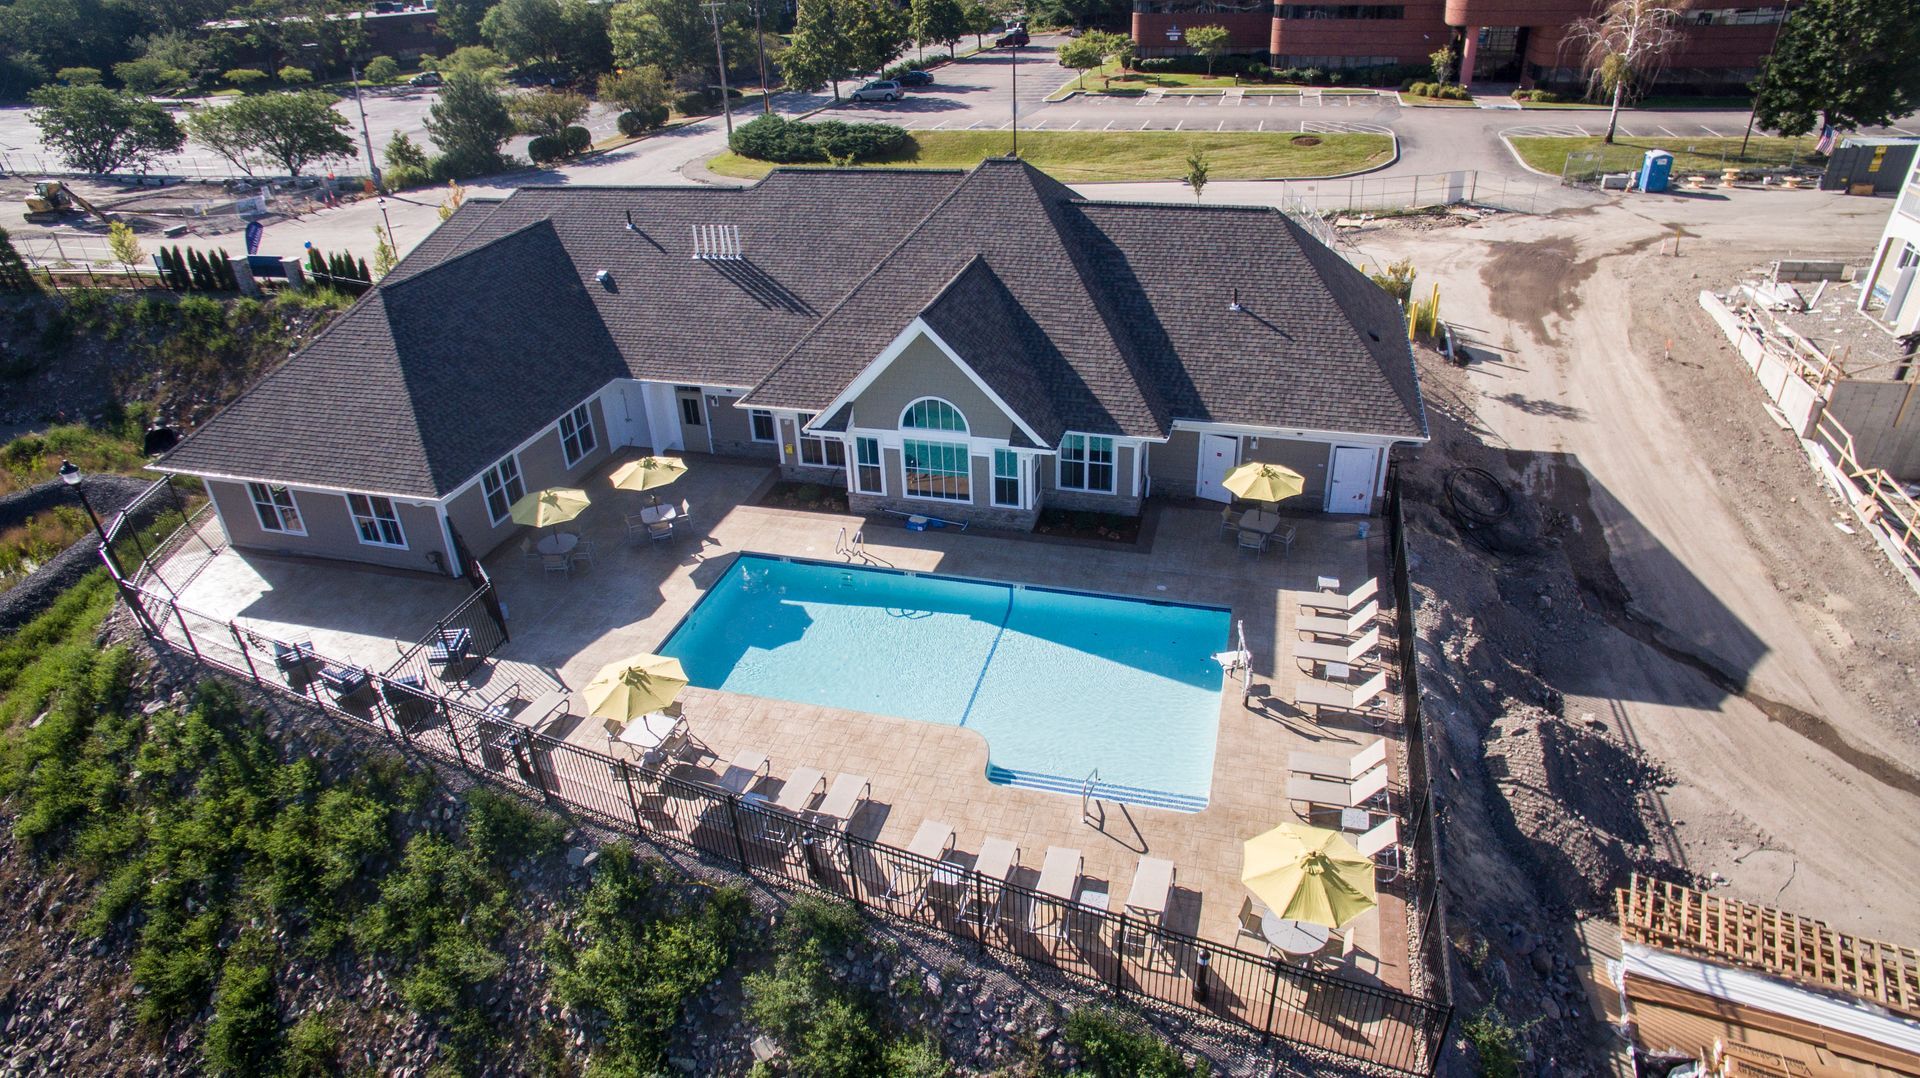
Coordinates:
x,y
71,476
389,223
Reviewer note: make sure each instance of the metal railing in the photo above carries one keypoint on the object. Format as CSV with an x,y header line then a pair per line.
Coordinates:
x,y
423,707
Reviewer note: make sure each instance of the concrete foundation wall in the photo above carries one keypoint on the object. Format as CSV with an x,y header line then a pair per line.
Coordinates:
x,y
1884,419
330,531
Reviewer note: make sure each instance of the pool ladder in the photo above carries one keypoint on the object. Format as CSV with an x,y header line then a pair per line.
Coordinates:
x,y
854,549
1088,801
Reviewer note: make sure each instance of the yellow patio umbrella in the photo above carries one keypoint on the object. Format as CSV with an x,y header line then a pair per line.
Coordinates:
x,y
554,505
1308,873
634,686
648,473
1258,482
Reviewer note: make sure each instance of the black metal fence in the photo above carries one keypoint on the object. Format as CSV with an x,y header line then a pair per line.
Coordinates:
x,y
426,702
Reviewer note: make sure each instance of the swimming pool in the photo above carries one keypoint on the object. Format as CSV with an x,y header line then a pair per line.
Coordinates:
x,y
1059,683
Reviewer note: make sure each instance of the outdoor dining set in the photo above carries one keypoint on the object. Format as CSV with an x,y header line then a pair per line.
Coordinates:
x,y
561,552
1260,526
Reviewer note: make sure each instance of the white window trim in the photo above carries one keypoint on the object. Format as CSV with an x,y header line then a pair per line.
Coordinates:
x,y
517,474
582,417
299,513
970,499
854,465
918,327
772,421
966,427
1113,465
1019,478
376,519
801,438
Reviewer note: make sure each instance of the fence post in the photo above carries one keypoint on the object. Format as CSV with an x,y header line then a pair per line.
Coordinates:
x,y
453,733
980,905
633,803
1120,957
245,653
1273,999
739,844
177,617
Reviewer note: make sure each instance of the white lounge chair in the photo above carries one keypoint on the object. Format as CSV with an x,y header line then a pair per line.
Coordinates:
x,y
743,772
1383,839
1337,603
1335,794
1346,769
1340,624
837,808
1059,880
998,858
797,794
907,880
1340,695
1316,651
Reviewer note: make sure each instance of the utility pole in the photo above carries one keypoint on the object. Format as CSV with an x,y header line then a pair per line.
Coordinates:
x,y
1753,112
760,39
726,106
373,166
1016,98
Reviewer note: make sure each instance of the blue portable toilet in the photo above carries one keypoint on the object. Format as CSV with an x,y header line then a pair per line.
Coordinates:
x,y
1655,168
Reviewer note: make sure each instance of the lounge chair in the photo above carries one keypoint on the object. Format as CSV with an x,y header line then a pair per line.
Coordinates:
x,y
1333,793
1345,769
1340,624
798,792
998,858
743,772
1059,880
1383,839
1337,603
1340,696
907,880
1147,900
844,798
1350,653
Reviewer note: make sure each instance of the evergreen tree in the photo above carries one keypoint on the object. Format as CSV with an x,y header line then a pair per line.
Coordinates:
x,y
14,274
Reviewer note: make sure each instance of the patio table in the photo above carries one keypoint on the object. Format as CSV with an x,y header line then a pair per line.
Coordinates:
x,y
1356,819
1260,520
649,730
659,514
558,543
536,714
1293,937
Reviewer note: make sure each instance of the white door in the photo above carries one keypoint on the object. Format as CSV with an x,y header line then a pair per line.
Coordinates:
x,y
629,403
663,417
1218,455
1350,482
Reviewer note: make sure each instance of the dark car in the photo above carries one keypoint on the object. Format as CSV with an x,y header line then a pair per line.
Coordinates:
x,y
1015,37
915,78
426,78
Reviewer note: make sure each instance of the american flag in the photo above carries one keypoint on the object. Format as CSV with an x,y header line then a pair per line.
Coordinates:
x,y
1825,145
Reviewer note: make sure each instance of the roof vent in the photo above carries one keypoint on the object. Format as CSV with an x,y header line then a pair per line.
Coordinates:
x,y
1235,305
605,279
717,243
631,227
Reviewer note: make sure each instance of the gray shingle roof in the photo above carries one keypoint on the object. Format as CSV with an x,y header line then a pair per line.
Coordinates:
x,y
1099,317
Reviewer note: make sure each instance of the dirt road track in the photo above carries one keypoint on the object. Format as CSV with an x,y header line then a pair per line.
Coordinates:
x,y
1762,655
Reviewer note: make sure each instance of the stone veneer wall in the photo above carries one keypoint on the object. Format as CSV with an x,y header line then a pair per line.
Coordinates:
x,y
977,516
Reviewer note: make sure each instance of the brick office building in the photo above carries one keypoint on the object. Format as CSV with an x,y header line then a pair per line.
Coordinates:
x,y
1523,41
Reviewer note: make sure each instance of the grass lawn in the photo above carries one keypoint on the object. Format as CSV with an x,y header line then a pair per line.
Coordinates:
x,y
1689,154
1692,101
1434,102
1082,156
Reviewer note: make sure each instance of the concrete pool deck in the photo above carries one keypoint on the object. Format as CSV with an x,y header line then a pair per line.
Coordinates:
x,y
565,628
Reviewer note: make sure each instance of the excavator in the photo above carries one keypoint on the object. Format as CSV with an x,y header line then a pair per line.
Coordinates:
x,y
51,198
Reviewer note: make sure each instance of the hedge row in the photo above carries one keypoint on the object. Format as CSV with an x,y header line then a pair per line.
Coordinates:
x,y
791,142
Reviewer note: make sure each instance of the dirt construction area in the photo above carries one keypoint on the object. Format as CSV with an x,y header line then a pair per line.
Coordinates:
x,y
1645,643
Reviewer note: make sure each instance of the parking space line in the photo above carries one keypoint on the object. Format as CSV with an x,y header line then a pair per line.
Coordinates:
x,y
1109,126
1073,125
1222,127
1671,133
973,125
1711,132
1144,123
1179,125
1006,125
939,125
1262,127
1038,126
1624,133
1901,131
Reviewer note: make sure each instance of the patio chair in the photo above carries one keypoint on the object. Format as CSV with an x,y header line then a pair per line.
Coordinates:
x,y
1251,910
1338,625
527,550
615,746
500,704
798,792
661,531
408,699
1333,793
636,527
743,772
907,880
295,661
1335,602
1229,520
1383,839
998,859
686,512
581,552
346,682
1315,651
1345,769
556,563
1252,540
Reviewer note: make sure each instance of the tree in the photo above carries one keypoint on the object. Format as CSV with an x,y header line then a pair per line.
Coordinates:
x,y
460,19
567,33
456,197
1442,60
1210,42
295,76
475,58
980,20
636,89
1197,169
79,76
95,129
1841,63
671,34
819,52
290,128
877,32
148,75
381,69
384,256
546,112
1625,47
124,244
469,123
243,77
1083,54
14,274
938,22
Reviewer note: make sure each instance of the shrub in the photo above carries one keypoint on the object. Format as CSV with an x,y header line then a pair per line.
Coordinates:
x,y
694,103
243,77
777,139
545,148
1113,1044
505,831
576,139
1496,1041
244,1035
915,1057
148,75
79,76
638,121
295,75
313,1049
381,69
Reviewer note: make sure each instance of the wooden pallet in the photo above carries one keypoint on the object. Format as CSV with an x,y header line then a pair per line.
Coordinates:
x,y
1771,941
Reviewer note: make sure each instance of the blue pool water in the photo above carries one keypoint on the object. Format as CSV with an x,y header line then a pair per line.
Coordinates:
x,y
1059,683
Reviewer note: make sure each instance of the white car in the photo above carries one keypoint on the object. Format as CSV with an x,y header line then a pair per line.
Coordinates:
x,y
883,90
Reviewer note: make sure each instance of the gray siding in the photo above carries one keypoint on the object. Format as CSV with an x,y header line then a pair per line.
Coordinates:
x,y
788,452
331,532
733,430
1175,465
923,370
1307,458
542,465
1122,500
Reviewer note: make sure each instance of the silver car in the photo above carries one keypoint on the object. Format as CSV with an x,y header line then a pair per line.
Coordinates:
x,y
883,90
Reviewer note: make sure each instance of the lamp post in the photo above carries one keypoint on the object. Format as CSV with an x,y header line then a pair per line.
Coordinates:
x,y
1014,72
71,476
1754,112
389,223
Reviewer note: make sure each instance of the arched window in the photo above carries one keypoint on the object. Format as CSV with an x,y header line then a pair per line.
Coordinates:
x,y
932,413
